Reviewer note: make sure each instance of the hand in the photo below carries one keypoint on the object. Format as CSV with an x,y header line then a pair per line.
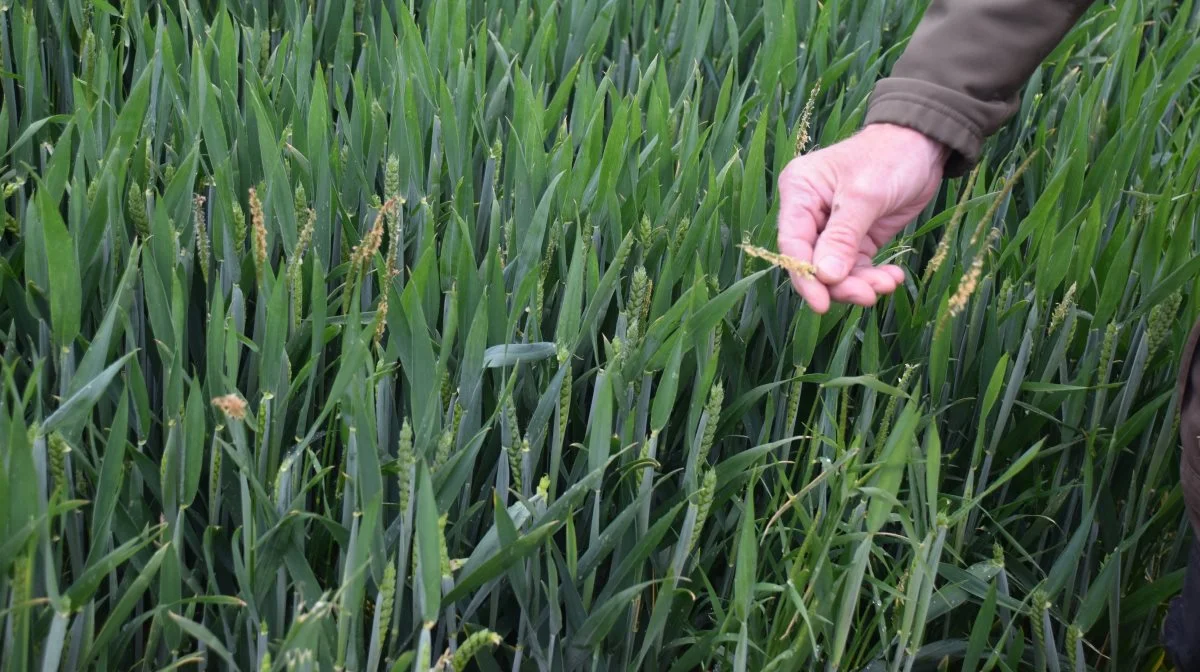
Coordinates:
x,y
840,205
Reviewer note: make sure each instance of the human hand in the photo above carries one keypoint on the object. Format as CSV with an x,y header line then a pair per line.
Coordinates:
x,y
841,204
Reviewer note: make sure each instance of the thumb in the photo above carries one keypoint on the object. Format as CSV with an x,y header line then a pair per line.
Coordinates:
x,y
837,247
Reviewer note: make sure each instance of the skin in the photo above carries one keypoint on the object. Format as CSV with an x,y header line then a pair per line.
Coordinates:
x,y
841,204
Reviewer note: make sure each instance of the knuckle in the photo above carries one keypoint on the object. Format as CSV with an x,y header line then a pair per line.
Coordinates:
x,y
797,172
841,238
861,188
787,176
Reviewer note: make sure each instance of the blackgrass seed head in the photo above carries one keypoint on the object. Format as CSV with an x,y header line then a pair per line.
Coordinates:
x,y
802,138
232,405
136,200
202,246
239,228
405,461
259,224
1062,309
804,269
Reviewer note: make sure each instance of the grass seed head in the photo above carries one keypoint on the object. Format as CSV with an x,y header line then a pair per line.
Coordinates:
x,y
391,177
370,244
681,232
387,598
22,579
1108,348
445,445
150,162
264,51
970,280
87,54
1062,309
802,268
214,483
802,138
232,405
1040,605
381,319
552,246
136,199
458,415
639,290
424,651
1160,321
444,550
59,448
300,199
645,233
889,412
406,461
510,419
239,228
259,224
514,444
943,247
704,499
260,424
1000,197
471,647
539,300
446,388
622,254
1074,635
201,236
793,400
296,265
712,409
564,400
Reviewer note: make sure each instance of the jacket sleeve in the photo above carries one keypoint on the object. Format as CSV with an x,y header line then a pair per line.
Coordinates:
x,y
960,77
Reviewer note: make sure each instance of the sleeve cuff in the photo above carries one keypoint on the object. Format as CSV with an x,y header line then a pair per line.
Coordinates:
x,y
940,113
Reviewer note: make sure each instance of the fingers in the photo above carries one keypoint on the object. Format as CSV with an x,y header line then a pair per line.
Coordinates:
x,y
815,293
830,230
895,271
883,279
837,247
802,211
854,290
866,284
879,280
803,200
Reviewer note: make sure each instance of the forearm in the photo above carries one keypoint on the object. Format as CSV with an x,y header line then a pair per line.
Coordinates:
x,y
959,79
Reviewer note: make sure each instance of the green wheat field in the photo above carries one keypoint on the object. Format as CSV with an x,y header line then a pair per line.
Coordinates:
x,y
419,334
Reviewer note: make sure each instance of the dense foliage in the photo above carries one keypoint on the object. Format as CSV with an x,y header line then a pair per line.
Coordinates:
x,y
393,334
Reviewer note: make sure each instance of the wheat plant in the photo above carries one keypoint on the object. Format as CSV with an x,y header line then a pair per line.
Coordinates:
x,y
423,334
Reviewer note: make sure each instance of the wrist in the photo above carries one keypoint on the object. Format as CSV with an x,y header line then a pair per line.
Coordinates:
x,y
937,152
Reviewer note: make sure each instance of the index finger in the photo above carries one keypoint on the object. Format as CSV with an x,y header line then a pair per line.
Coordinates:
x,y
803,208
802,212
814,292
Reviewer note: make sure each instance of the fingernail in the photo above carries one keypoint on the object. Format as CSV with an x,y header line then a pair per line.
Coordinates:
x,y
832,266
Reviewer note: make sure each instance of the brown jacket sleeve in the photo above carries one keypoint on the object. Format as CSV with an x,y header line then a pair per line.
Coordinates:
x,y
959,79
